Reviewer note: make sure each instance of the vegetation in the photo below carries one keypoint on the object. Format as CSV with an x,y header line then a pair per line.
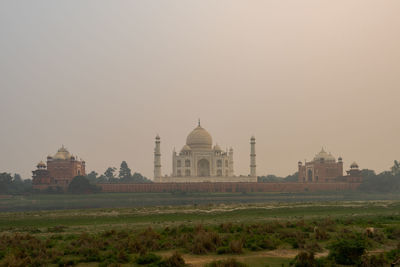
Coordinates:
x,y
275,179
388,181
14,184
125,176
81,185
225,235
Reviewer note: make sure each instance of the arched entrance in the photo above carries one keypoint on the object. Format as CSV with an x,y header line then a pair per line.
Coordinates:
x,y
203,168
310,175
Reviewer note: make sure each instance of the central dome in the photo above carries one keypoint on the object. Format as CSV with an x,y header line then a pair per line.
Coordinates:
x,y
324,156
199,138
62,154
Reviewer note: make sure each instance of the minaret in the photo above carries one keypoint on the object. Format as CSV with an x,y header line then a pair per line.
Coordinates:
x,y
157,160
253,172
231,162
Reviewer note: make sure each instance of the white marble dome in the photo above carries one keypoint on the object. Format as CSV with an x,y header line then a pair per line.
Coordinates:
x,y
199,138
62,154
322,155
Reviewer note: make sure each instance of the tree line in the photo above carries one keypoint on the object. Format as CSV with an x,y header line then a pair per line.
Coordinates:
x,y
14,184
124,175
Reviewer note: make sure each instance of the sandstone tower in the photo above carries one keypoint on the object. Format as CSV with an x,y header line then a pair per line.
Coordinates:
x,y
253,172
157,160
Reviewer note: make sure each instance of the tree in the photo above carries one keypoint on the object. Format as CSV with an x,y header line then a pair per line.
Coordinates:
x,y
101,179
292,178
385,182
109,173
138,178
396,168
92,177
5,182
270,179
348,251
81,185
124,171
17,178
14,184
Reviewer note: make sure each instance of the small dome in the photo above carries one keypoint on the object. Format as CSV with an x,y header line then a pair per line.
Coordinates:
x,y
186,148
62,154
354,165
41,164
199,138
217,148
322,155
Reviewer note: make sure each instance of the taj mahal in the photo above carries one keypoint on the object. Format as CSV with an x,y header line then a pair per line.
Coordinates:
x,y
200,161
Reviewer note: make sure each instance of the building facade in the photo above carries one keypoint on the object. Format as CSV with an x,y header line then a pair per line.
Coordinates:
x,y
200,161
325,169
59,171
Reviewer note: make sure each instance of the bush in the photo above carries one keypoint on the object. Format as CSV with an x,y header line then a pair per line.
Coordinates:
x,y
148,259
373,261
81,185
305,259
175,260
393,232
236,246
205,242
223,250
226,263
394,254
347,251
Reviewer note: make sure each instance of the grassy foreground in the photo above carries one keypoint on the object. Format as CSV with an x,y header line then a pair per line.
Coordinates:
x,y
112,200
256,234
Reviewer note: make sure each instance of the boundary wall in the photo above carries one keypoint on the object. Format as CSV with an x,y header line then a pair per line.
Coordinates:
x,y
227,187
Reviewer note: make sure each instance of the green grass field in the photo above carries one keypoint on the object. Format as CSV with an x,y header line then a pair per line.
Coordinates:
x,y
119,200
269,231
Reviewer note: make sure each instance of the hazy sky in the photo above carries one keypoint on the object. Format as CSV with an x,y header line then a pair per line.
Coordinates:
x,y
104,77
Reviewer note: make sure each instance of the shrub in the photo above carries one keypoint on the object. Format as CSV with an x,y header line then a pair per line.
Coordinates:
x,y
205,242
313,246
394,254
321,234
176,260
373,261
393,232
347,251
148,259
57,229
223,250
236,246
305,259
226,263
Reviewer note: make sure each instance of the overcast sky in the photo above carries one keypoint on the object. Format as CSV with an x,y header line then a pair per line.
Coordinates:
x,y
104,77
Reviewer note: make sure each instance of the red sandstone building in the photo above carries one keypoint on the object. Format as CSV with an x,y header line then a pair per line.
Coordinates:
x,y
59,172
325,169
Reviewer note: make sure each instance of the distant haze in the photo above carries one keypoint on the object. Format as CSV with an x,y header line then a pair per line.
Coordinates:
x,y
104,77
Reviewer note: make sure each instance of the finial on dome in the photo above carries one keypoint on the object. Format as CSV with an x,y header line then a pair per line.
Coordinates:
x,y
199,123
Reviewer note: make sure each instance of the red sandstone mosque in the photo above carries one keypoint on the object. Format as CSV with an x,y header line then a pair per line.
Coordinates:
x,y
59,171
325,169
